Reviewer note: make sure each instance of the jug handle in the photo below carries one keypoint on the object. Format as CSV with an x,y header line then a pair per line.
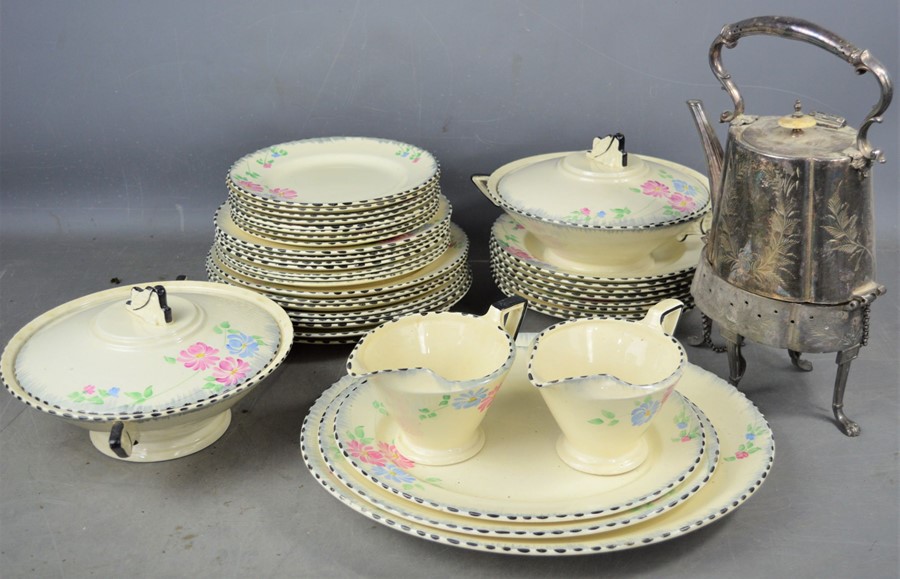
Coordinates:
x,y
508,313
799,29
664,315
481,181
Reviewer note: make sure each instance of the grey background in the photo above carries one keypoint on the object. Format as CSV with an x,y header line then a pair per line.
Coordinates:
x,y
118,121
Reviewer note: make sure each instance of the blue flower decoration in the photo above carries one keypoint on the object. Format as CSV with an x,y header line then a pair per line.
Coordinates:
x,y
601,214
751,436
683,187
114,391
470,398
681,425
393,473
644,412
241,345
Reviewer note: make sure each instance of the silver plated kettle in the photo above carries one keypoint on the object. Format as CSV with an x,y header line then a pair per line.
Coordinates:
x,y
789,259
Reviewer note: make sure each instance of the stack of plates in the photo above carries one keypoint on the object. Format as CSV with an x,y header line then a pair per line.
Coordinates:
x,y
520,266
344,233
710,450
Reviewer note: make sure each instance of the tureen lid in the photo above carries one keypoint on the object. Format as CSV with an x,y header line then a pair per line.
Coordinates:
x,y
603,188
145,351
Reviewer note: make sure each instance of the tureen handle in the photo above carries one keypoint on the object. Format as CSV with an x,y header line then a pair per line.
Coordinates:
x,y
481,181
798,29
664,315
509,313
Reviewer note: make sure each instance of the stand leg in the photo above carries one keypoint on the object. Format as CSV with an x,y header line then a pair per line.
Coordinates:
x,y
804,365
736,362
843,360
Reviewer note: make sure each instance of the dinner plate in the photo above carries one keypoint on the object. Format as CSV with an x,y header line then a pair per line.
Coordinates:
x,y
588,302
418,199
597,286
328,276
586,296
748,452
455,254
328,304
334,171
226,226
226,222
363,488
526,250
551,308
517,475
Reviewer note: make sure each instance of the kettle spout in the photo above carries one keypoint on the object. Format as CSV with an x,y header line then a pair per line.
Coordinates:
x,y
711,146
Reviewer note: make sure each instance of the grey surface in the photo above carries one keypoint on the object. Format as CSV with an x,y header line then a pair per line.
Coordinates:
x,y
119,121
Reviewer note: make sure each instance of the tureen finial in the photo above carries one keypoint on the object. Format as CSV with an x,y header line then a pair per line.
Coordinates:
x,y
150,304
603,151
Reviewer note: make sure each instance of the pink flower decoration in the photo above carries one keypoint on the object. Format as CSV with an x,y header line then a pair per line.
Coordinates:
x,y
365,453
655,189
251,186
230,371
685,438
199,357
681,202
519,253
585,211
90,389
741,454
489,399
391,453
267,165
284,193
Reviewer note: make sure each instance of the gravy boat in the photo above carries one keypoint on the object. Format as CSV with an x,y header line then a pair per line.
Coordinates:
x,y
436,374
604,380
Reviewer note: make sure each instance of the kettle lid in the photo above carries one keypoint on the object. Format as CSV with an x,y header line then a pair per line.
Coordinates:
x,y
798,135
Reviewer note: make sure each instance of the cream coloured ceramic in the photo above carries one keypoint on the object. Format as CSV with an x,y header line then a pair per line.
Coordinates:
x,y
604,382
456,254
437,375
329,243
335,171
364,489
518,476
325,275
594,215
162,388
747,449
412,209
288,214
375,300
317,333
527,250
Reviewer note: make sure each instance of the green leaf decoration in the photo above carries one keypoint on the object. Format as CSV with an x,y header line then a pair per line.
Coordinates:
x,y
148,391
613,422
608,413
358,432
136,396
596,421
169,359
217,330
635,189
225,325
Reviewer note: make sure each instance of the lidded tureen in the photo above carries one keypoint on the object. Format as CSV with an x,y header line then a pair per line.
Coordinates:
x,y
152,370
603,211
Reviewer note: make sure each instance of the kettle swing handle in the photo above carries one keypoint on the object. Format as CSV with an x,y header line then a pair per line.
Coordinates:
x,y
798,29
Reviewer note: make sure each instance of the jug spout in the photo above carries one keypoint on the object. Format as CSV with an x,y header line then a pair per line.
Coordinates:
x,y
712,147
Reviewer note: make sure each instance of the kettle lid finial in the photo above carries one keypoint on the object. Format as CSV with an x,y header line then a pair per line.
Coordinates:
x,y
798,120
